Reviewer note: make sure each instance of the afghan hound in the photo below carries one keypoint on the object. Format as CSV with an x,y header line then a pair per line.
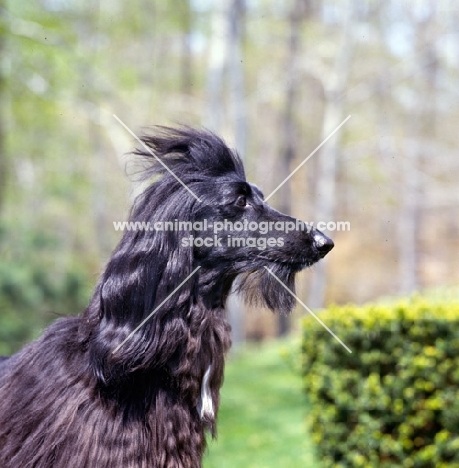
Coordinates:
x,y
134,380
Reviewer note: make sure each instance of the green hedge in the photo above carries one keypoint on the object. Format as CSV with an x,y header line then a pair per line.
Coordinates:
x,y
393,402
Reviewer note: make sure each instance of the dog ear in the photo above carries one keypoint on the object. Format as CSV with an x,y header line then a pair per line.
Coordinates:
x,y
185,148
135,319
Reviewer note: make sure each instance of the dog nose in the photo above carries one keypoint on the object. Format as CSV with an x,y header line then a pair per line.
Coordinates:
x,y
322,243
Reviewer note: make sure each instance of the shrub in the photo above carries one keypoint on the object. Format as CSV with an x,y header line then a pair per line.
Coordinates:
x,y
393,402
40,280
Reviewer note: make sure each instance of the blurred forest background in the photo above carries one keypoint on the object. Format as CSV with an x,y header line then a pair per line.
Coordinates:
x,y
274,78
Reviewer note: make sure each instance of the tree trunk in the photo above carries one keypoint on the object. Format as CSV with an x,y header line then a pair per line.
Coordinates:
x,y
334,87
236,76
288,125
213,118
420,125
186,72
3,155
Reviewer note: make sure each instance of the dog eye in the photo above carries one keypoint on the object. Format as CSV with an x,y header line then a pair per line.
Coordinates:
x,y
241,201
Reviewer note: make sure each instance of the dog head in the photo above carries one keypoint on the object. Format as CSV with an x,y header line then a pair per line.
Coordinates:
x,y
199,212
234,232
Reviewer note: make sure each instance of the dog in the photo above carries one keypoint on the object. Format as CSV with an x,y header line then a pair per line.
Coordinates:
x,y
134,380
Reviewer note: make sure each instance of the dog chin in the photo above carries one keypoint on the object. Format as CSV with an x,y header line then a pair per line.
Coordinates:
x,y
303,264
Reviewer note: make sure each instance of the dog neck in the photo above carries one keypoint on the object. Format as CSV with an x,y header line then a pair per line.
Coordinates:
x,y
214,291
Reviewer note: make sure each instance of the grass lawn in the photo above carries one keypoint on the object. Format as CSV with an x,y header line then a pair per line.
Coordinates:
x,y
262,412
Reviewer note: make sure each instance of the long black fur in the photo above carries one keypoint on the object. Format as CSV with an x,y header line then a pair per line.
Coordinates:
x,y
72,399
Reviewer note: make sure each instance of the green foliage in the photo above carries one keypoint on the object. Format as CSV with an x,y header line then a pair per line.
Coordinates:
x,y
36,286
395,400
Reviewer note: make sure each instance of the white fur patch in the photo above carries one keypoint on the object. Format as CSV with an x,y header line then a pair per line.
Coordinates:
x,y
206,405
